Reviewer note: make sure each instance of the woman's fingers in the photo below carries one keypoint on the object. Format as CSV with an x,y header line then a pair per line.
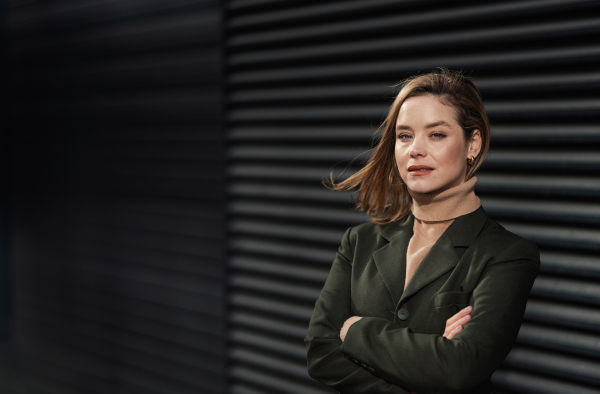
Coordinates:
x,y
458,315
454,324
456,327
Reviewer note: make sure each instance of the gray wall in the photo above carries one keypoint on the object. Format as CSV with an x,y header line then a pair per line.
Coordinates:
x,y
116,197
308,84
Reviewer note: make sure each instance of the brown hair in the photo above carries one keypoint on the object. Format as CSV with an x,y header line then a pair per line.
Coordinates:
x,y
381,191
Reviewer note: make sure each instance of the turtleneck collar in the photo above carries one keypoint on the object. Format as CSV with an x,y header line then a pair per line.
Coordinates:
x,y
449,204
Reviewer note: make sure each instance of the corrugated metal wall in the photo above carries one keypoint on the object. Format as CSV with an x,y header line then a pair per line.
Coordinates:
x,y
117,214
308,84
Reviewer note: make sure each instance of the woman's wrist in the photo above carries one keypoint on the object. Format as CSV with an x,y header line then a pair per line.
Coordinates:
x,y
347,325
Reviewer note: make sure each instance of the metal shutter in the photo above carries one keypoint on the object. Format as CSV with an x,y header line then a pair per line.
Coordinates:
x,y
308,84
117,211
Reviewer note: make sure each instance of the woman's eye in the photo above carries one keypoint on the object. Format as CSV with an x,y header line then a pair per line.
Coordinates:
x,y
404,137
438,135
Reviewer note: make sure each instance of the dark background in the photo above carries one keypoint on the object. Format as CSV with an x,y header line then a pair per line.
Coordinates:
x,y
163,223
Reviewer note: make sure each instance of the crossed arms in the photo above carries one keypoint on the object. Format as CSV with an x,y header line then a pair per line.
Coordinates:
x,y
405,361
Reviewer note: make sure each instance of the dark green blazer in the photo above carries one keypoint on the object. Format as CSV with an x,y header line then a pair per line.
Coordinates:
x,y
398,346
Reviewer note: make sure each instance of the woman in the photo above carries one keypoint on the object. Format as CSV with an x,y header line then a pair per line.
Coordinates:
x,y
391,316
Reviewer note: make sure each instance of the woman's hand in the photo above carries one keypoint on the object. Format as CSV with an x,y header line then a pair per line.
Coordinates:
x,y
454,325
347,325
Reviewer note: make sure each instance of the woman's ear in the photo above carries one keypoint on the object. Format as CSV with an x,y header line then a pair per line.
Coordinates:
x,y
474,144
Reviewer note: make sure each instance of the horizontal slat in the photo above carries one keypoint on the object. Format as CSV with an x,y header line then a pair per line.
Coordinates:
x,y
571,264
565,315
274,365
269,381
295,350
565,212
279,268
394,68
270,306
560,339
544,185
283,172
297,212
534,384
247,133
284,250
280,328
286,192
555,365
274,288
567,289
244,5
557,236
285,153
296,232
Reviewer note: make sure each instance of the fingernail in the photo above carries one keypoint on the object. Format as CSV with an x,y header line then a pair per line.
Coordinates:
x,y
467,308
457,328
464,317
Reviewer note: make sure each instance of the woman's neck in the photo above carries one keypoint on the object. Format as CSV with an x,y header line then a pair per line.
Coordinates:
x,y
448,204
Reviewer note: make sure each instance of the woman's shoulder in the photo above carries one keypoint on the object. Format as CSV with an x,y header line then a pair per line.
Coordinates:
x,y
506,244
375,233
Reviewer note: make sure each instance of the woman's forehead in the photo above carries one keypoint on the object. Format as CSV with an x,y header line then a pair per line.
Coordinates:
x,y
427,111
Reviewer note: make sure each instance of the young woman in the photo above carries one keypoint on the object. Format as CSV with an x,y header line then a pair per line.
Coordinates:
x,y
429,296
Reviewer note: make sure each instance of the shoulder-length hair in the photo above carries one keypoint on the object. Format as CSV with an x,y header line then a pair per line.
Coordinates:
x,y
381,191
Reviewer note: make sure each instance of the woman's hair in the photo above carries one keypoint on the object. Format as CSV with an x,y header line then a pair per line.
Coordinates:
x,y
381,191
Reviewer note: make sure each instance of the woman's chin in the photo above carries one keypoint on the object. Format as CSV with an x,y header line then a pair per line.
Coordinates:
x,y
422,187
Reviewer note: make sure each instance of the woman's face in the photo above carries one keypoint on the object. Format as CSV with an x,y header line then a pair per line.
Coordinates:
x,y
431,151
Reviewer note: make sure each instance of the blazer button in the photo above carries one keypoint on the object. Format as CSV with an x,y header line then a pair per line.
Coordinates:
x,y
403,313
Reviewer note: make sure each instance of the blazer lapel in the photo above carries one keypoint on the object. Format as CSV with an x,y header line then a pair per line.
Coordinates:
x,y
440,259
442,256
390,259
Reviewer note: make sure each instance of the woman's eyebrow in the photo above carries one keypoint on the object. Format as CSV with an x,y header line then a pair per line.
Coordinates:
x,y
429,126
438,123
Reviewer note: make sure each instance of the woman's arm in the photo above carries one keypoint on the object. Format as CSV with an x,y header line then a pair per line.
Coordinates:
x,y
326,362
454,325
431,363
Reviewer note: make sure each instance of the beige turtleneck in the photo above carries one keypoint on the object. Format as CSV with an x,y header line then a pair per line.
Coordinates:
x,y
434,213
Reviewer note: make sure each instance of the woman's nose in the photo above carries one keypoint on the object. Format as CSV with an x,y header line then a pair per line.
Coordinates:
x,y
417,149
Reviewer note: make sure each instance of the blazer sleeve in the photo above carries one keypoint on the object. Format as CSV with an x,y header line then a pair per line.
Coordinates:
x,y
326,362
427,363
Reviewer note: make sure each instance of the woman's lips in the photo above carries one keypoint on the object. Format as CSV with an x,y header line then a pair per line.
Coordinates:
x,y
419,170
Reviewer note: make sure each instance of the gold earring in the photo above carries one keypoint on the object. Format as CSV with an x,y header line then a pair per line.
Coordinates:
x,y
470,160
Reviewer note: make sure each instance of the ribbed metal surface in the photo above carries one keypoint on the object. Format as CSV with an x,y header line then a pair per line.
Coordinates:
x,y
117,216
308,84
